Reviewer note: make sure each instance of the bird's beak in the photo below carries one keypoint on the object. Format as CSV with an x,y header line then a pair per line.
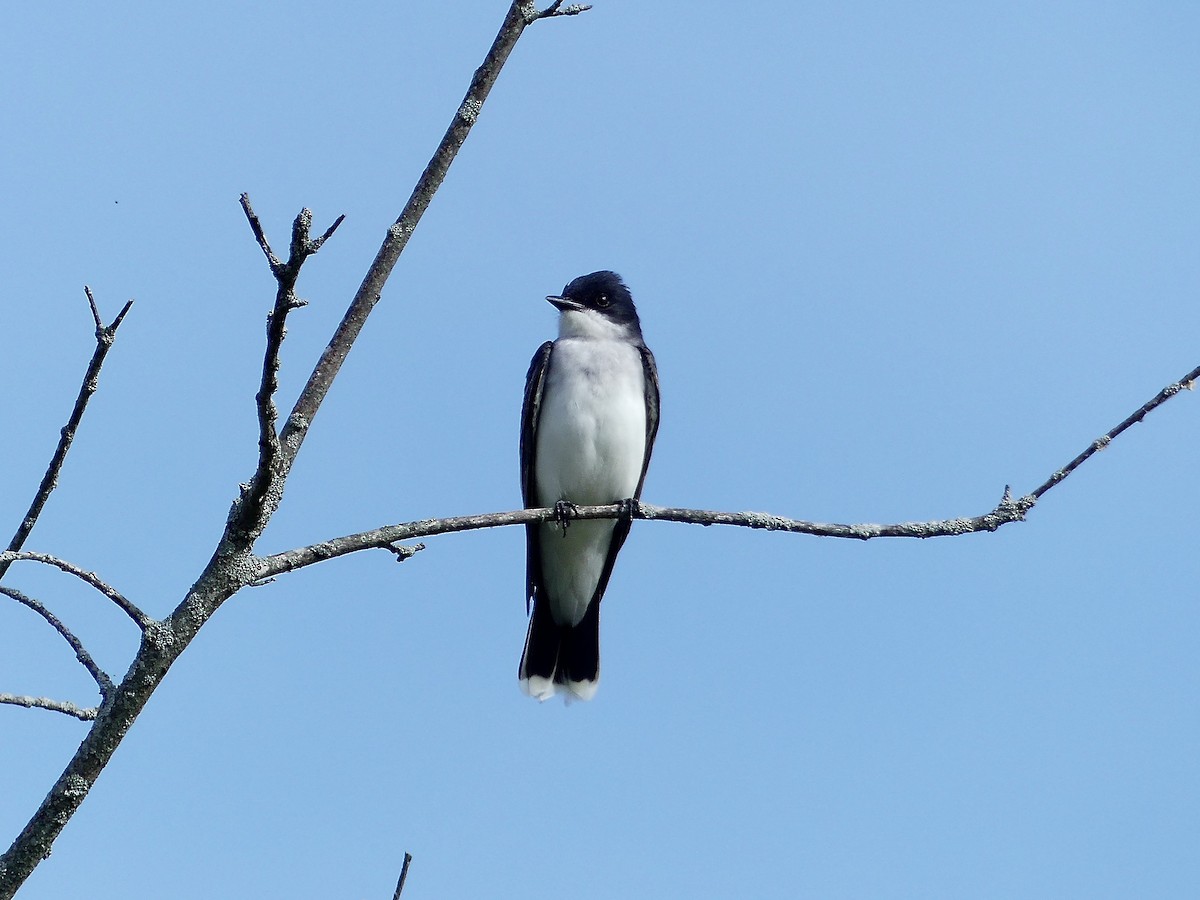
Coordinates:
x,y
565,304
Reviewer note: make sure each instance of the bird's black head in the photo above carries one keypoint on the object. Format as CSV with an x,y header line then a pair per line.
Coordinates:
x,y
603,294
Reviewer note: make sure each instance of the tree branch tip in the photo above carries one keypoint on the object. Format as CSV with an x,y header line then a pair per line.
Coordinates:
x,y
403,875
260,236
116,323
95,310
316,245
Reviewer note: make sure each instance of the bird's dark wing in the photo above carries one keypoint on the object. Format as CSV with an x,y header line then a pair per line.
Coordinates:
x,y
650,370
530,411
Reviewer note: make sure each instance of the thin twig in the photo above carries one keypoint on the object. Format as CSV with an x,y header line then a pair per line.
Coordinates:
x,y
105,336
143,621
85,659
230,567
403,876
1006,511
1187,382
84,714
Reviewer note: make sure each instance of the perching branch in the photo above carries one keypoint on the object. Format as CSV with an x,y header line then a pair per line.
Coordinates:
x,y
142,620
105,336
1006,511
85,659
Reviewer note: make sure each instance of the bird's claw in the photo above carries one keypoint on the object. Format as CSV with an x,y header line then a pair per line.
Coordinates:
x,y
563,511
630,508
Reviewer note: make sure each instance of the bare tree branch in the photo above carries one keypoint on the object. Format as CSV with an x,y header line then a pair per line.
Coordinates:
x,y
128,607
60,706
105,336
1006,511
261,495
403,876
233,564
1187,382
85,659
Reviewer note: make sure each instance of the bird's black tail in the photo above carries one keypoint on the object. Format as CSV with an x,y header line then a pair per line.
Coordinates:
x,y
561,657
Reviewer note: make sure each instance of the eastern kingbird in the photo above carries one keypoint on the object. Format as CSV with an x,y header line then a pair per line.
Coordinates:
x,y
587,428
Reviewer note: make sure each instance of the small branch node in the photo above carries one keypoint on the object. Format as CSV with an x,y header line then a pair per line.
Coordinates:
x,y
403,552
557,9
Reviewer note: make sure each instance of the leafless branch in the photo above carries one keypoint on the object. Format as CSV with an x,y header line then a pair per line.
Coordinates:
x,y
105,336
85,659
143,621
1006,511
233,564
261,495
1187,382
557,9
259,235
65,707
403,876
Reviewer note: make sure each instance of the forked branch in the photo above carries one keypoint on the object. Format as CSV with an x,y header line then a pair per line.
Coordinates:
x,y
264,487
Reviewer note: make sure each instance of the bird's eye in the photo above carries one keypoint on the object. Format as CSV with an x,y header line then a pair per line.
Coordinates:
x,y
602,301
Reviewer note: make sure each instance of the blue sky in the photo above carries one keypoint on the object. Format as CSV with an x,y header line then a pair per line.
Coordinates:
x,y
889,259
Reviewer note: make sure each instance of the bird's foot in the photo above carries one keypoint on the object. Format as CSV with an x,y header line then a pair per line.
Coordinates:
x,y
563,511
630,508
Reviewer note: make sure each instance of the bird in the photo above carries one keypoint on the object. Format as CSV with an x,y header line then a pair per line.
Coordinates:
x,y
588,424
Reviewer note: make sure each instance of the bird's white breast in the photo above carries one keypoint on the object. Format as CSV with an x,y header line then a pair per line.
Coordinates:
x,y
591,438
591,445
